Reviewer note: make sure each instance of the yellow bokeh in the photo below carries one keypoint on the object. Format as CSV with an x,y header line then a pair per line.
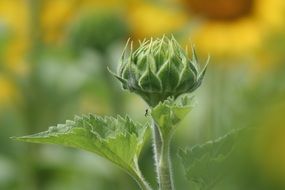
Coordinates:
x,y
15,17
54,16
8,91
242,35
269,142
271,14
15,56
227,38
57,15
14,14
148,20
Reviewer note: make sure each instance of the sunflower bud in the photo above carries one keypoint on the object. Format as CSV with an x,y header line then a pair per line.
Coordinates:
x,y
159,69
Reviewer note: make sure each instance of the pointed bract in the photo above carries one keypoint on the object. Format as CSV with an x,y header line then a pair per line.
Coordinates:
x,y
149,82
160,68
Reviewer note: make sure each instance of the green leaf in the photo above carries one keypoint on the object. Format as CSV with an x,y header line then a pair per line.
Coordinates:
x,y
207,163
169,113
119,140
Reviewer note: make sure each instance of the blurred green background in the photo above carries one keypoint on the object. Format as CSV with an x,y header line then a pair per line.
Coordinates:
x,y
53,60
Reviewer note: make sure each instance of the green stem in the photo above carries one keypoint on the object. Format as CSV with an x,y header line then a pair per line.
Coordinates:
x,y
162,159
137,175
141,182
164,167
156,144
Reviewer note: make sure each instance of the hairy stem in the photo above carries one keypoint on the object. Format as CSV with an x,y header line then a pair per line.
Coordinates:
x,y
162,159
164,167
137,175
157,143
141,182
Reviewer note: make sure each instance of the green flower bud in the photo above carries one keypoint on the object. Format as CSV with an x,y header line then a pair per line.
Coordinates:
x,y
159,69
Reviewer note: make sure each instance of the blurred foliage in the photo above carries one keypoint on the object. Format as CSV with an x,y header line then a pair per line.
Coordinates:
x,y
42,82
98,31
206,164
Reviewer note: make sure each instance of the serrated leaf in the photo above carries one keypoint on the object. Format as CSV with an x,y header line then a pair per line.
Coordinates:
x,y
169,113
119,140
207,163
